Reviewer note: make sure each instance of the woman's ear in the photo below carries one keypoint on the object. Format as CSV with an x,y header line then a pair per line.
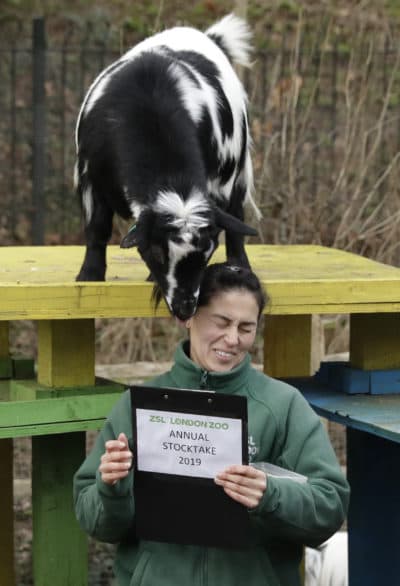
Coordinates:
x,y
188,323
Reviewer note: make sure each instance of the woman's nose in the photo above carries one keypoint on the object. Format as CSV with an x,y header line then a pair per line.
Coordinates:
x,y
232,336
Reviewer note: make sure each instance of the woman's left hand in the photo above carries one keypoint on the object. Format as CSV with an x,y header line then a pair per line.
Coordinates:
x,y
245,484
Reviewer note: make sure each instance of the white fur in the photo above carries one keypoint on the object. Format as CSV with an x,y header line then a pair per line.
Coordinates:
x,y
237,36
76,175
87,202
95,91
176,253
189,214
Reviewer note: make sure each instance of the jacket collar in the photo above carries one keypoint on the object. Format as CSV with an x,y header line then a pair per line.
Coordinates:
x,y
189,375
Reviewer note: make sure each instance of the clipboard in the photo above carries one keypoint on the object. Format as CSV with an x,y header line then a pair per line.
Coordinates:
x,y
182,508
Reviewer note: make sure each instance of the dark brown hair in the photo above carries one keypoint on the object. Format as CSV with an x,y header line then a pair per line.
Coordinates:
x,y
221,277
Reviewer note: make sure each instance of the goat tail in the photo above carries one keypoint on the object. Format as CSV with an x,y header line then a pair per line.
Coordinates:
x,y
233,36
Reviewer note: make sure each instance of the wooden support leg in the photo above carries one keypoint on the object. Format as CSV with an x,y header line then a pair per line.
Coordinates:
x,y
7,574
288,351
374,515
59,546
65,358
287,345
375,340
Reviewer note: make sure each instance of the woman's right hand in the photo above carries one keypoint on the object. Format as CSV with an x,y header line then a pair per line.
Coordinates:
x,y
116,460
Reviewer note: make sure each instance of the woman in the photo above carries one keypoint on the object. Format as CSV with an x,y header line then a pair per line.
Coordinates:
x,y
283,429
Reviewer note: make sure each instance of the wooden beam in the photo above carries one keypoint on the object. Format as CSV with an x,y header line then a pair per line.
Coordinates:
x,y
66,352
66,358
287,345
375,341
59,545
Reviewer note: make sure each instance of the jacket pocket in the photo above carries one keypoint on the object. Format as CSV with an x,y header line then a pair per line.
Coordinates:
x,y
140,569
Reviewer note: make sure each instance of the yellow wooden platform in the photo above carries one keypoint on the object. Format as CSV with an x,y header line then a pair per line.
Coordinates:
x,y
39,283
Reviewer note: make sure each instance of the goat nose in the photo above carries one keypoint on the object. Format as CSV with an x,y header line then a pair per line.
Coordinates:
x,y
184,309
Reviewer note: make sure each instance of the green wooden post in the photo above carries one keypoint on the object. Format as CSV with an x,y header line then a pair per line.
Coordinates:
x,y
59,546
7,573
65,358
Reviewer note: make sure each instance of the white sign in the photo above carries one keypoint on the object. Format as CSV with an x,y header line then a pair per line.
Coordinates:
x,y
187,444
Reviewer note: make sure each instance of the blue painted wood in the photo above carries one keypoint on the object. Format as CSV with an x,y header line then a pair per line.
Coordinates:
x,y
341,377
374,515
376,414
383,382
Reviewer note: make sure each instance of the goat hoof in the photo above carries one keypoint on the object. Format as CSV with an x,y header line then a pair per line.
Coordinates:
x,y
90,275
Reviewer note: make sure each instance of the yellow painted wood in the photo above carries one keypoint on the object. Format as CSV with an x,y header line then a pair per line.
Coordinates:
x,y
287,345
7,574
66,352
375,341
39,282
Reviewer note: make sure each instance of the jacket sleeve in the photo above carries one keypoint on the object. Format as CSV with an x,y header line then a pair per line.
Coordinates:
x,y
304,513
103,511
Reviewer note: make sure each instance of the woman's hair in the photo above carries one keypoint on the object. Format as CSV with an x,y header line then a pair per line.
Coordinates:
x,y
222,277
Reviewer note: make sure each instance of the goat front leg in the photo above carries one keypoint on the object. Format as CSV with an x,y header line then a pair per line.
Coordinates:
x,y
235,250
234,242
98,233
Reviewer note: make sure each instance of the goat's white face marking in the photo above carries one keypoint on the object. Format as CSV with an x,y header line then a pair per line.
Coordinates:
x,y
176,253
188,215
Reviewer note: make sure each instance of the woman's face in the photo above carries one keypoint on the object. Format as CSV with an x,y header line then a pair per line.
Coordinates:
x,y
223,331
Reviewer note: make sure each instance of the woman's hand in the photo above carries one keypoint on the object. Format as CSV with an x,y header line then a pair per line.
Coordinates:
x,y
116,460
245,484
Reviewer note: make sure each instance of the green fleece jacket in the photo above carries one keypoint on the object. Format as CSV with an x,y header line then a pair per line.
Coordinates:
x,y
283,430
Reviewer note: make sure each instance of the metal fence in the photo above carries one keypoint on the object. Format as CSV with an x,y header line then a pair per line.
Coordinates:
x,y
310,95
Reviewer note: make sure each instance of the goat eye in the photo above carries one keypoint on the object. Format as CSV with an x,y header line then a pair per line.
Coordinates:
x,y
158,253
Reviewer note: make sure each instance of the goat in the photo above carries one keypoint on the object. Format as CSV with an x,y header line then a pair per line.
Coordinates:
x,y
162,136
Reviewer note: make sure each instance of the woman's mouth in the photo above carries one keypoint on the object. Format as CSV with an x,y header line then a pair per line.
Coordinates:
x,y
224,355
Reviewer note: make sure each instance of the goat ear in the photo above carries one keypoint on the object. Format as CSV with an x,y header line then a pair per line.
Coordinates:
x,y
130,239
229,222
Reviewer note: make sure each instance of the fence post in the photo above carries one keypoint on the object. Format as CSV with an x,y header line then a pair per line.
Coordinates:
x,y
39,129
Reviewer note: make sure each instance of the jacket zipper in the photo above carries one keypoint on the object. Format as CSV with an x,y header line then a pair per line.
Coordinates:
x,y
205,567
204,380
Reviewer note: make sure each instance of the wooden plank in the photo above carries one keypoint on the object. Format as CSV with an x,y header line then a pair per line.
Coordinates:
x,y
51,428
59,546
66,353
288,263
56,411
66,357
375,341
38,283
287,345
375,414
7,573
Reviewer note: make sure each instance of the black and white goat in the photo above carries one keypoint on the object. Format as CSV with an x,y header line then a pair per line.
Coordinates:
x,y
163,136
